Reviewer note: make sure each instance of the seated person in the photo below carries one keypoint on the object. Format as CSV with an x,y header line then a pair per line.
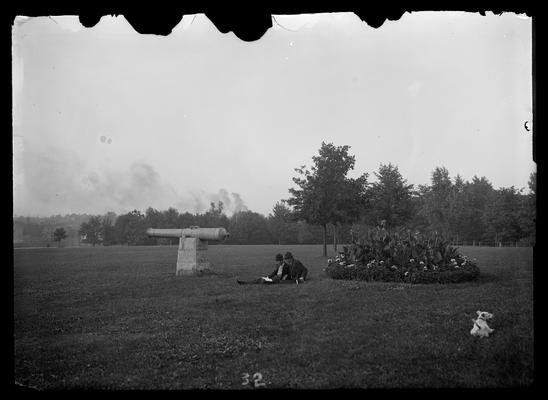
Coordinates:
x,y
298,271
281,273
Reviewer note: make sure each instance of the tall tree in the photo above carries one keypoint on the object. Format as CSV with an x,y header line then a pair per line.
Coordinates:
x,y
419,221
58,235
437,200
280,221
353,202
390,198
502,216
325,194
478,195
457,220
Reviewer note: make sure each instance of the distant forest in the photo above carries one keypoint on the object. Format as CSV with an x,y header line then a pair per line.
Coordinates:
x,y
466,212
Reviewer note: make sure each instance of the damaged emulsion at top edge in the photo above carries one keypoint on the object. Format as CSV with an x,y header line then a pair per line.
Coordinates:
x,y
247,27
144,24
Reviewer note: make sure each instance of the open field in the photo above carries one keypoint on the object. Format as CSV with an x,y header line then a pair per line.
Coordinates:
x,y
119,318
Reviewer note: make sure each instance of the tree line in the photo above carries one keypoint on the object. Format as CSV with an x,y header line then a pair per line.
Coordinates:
x,y
245,227
326,204
460,210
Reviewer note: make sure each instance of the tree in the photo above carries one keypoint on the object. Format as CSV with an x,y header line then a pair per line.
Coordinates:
x,y
153,218
158,219
131,228
58,235
186,219
325,194
527,214
502,216
353,202
280,221
437,199
419,221
477,195
92,230
248,227
457,220
308,234
214,217
108,232
390,198
533,183
170,218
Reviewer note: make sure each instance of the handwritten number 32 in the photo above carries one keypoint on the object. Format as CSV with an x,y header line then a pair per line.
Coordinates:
x,y
257,377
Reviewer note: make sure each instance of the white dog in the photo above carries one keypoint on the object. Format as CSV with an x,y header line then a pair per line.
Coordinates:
x,y
481,328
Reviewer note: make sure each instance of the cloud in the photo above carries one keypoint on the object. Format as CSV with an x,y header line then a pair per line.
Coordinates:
x,y
238,203
222,195
58,182
232,202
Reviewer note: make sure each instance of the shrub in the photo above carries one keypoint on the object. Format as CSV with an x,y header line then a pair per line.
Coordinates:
x,y
402,256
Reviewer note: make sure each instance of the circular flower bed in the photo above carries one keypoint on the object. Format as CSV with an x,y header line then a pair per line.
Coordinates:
x,y
410,258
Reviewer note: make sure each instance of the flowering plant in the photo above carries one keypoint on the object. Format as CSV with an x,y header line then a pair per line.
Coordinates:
x,y
402,256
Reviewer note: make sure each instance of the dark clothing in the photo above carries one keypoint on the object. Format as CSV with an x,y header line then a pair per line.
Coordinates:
x,y
286,272
297,270
290,273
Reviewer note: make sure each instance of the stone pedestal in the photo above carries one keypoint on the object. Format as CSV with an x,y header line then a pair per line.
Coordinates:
x,y
192,256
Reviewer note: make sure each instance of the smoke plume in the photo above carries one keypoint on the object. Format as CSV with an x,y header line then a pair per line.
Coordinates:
x,y
58,182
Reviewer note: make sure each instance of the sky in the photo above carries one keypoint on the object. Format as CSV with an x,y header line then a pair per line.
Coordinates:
x,y
107,119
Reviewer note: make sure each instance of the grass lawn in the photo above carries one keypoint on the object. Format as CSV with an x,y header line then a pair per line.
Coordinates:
x,y
119,318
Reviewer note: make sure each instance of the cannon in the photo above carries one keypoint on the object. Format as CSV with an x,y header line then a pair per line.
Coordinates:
x,y
193,242
194,231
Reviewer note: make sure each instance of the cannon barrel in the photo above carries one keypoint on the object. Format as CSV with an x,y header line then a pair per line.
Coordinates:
x,y
195,232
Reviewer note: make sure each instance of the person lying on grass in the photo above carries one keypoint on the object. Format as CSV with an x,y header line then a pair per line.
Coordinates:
x,y
280,275
297,271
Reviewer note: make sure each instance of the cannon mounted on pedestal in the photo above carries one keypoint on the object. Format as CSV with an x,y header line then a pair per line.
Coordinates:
x,y
193,243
